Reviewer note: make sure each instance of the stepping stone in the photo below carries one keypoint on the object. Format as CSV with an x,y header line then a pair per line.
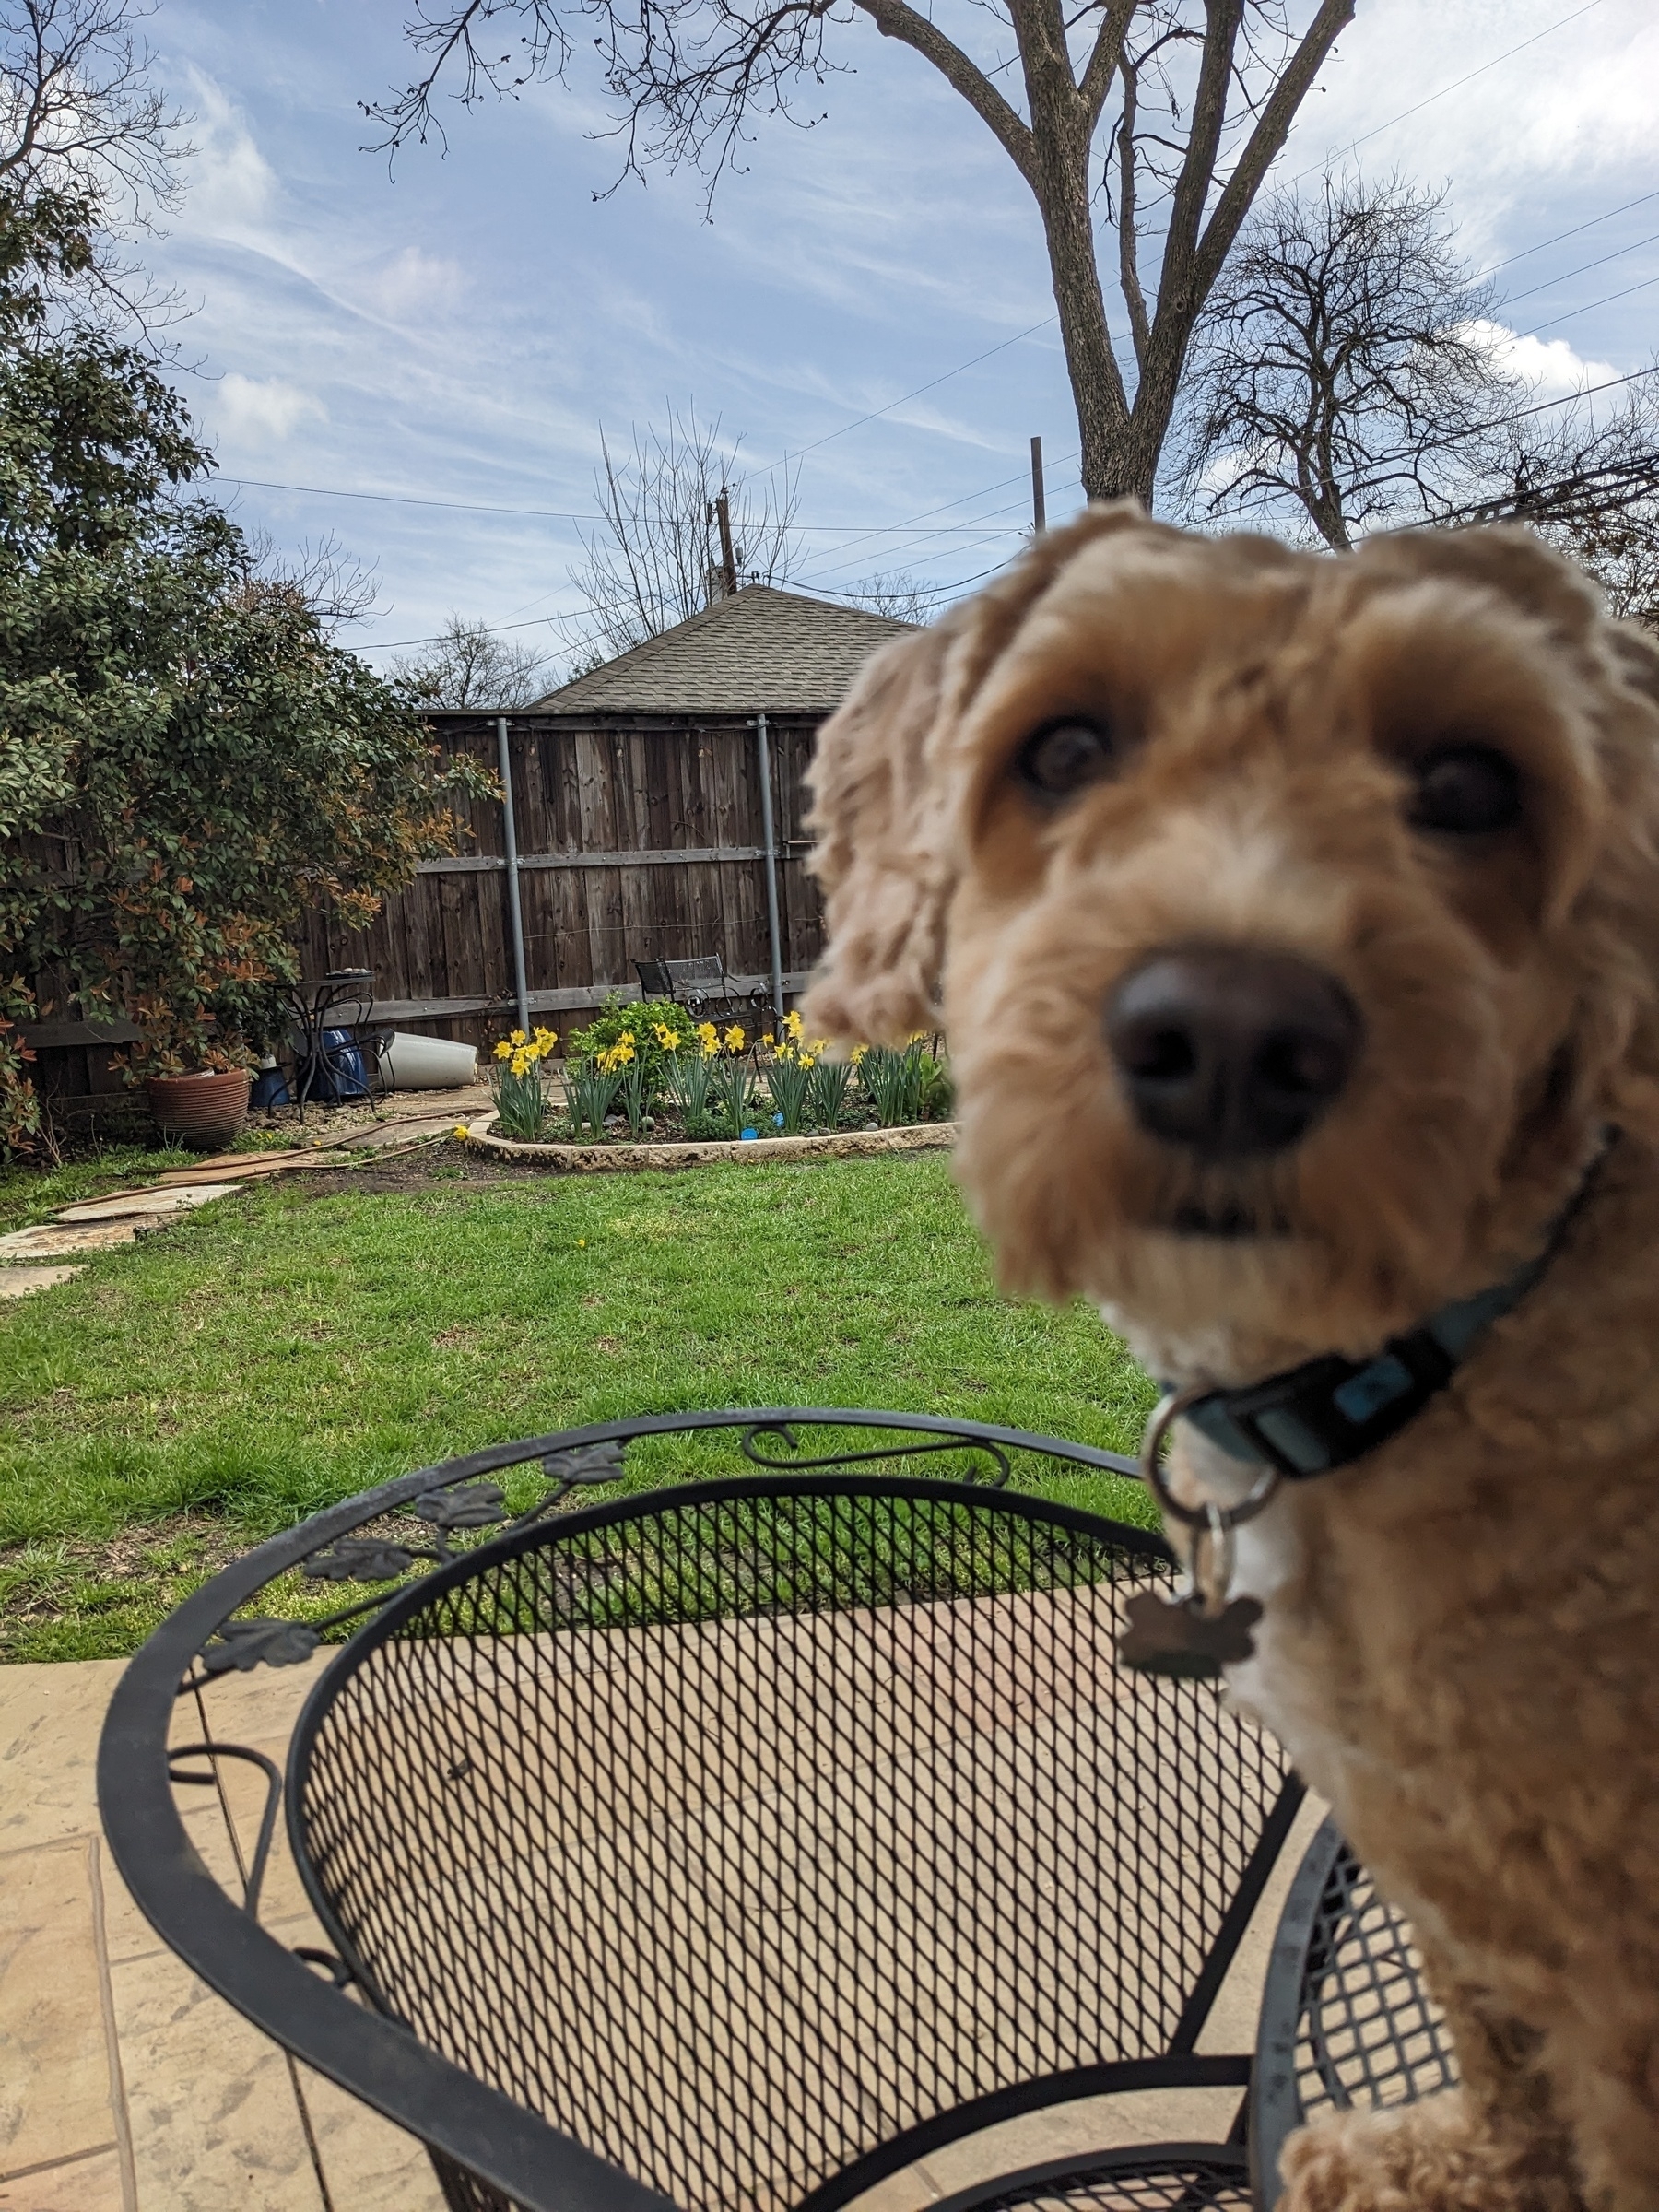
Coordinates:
x,y
57,1240
17,1282
240,1168
406,1131
119,1206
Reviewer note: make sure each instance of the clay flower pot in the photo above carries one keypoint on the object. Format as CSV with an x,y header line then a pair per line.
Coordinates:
x,y
204,1110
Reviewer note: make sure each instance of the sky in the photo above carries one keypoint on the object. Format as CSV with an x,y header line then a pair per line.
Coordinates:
x,y
450,332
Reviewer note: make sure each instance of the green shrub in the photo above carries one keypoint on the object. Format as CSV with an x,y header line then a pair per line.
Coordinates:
x,y
641,1018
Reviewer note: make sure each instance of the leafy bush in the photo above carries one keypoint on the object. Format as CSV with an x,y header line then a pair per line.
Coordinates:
x,y
639,1018
179,715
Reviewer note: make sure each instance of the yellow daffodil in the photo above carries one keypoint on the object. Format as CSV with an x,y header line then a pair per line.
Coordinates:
x,y
517,1038
858,1053
734,1039
791,1022
546,1039
462,1131
767,1041
503,1051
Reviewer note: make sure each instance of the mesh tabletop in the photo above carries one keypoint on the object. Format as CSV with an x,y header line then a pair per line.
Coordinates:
x,y
745,1833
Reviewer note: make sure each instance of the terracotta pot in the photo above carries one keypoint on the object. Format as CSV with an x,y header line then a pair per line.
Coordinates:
x,y
205,1111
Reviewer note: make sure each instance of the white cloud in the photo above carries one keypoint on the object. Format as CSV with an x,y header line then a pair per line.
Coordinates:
x,y
1550,364
413,284
230,183
263,410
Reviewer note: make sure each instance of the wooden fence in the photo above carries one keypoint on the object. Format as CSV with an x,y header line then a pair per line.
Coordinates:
x,y
638,837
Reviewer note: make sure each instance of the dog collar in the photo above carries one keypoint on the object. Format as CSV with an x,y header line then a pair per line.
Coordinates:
x,y
1331,1411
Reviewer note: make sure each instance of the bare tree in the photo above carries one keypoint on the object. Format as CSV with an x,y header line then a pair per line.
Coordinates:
x,y
1344,372
81,120
1173,110
469,664
896,593
659,557
1588,481
320,575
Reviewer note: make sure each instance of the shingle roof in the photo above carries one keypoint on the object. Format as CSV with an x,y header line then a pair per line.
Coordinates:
x,y
766,651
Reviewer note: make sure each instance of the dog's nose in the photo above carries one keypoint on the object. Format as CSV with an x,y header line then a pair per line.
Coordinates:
x,y
1230,1051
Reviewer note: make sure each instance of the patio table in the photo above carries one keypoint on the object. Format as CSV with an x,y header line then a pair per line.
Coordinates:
x,y
734,1841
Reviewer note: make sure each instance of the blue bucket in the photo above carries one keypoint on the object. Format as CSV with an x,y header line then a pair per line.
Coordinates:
x,y
337,1073
270,1088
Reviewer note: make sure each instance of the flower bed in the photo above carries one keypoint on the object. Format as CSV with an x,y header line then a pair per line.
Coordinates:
x,y
591,1159
645,1075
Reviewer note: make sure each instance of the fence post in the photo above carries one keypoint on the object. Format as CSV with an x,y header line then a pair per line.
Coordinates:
x,y
514,911
769,843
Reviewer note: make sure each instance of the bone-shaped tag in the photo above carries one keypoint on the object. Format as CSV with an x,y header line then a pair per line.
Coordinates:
x,y
1175,1636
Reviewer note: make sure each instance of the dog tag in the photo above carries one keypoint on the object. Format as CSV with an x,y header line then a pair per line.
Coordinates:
x,y
1176,1637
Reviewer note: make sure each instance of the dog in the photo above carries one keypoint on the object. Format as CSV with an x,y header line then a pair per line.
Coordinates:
x,y
1294,923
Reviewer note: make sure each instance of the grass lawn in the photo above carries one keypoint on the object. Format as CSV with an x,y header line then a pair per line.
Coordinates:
x,y
301,1340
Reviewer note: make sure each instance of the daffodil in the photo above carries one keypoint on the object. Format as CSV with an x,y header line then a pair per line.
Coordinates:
x,y
462,1131
791,1022
734,1040
503,1051
517,1038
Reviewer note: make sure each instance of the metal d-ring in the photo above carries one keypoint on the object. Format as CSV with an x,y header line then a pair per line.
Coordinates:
x,y
1219,1520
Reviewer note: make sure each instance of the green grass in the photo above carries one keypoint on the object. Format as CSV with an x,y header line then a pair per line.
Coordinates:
x,y
287,1347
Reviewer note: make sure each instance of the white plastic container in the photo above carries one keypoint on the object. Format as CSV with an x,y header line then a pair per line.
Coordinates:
x,y
411,1063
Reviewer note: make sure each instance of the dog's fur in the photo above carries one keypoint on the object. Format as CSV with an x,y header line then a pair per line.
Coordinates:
x,y
1459,1646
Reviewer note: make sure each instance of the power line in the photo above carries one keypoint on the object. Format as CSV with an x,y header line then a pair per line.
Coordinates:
x,y
1428,100
1567,276
1590,308
1526,252
551,514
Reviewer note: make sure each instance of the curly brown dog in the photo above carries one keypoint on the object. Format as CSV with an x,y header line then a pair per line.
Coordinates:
x,y
1295,925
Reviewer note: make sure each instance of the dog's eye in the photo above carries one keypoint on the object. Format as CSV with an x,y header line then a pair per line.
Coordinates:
x,y
1063,757
1466,789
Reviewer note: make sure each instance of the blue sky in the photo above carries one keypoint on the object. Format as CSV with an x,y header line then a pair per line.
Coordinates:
x,y
457,330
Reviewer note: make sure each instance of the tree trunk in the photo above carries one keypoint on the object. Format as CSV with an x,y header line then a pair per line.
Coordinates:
x,y
1058,176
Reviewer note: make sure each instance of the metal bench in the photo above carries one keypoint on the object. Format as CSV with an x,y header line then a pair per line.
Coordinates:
x,y
735,1843
703,986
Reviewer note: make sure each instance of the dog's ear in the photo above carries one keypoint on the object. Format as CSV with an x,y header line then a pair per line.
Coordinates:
x,y
880,803
885,880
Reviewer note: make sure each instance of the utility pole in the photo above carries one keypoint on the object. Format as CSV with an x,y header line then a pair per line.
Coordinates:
x,y
728,559
1039,503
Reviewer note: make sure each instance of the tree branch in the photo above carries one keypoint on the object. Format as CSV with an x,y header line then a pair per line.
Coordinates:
x,y
1105,59
1273,127
898,19
1134,299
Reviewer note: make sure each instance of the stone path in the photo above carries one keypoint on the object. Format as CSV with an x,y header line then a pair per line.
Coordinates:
x,y
28,1256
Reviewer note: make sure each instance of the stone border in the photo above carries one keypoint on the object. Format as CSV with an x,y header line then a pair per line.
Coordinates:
x,y
589,1159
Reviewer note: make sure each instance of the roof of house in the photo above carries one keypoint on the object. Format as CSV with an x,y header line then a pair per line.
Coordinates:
x,y
763,651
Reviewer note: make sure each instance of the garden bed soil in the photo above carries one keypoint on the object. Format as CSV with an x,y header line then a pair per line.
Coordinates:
x,y
589,1159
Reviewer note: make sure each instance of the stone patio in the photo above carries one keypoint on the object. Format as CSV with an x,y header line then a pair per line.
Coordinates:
x,y
129,2086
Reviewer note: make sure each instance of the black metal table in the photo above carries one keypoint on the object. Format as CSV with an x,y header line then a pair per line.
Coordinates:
x,y
732,1843
343,999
